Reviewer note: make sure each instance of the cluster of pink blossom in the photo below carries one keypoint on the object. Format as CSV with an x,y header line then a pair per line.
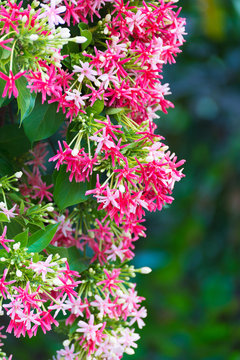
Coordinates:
x,y
51,281
61,11
116,305
140,176
35,47
109,85
43,288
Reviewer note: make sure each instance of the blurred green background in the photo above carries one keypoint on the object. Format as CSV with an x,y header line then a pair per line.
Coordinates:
x,y
193,293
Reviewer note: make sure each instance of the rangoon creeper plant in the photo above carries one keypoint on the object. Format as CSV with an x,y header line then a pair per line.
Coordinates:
x,y
88,72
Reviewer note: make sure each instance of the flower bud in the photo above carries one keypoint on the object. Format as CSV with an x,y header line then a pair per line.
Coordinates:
x,y
18,273
18,174
79,39
145,270
66,343
33,37
16,246
75,152
129,351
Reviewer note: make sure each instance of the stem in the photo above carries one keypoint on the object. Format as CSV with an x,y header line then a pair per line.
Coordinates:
x,y
11,58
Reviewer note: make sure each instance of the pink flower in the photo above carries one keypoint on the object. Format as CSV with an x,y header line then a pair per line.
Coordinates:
x,y
10,86
89,330
52,13
111,281
4,285
3,42
85,71
137,316
3,240
9,213
43,267
67,353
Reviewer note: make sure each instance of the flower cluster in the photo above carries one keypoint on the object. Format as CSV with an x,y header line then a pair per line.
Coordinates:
x,y
66,239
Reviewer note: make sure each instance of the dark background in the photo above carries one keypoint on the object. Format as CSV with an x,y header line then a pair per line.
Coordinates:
x,y
193,247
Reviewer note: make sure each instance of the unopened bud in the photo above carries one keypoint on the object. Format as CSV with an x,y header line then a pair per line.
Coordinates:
x,y
145,270
129,351
66,343
18,273
18,174
80,39
33,37
75,152
16,246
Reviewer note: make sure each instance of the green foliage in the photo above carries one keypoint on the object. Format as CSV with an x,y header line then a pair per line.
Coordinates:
x,y
86,33
97,107
75,259
43,121
22,238
25,99
42,238
13,140
68,193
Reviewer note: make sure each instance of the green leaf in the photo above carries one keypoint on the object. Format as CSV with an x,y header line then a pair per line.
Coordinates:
x,y
87,34
5,167
42,238
25,99
43,122
68,193
75,259
3,254
13,140
13,228
113,111
82,26
97,107
3,218
22,238
63,252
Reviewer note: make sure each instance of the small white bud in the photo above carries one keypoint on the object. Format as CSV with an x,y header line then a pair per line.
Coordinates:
x,y
105,31
145,270
75,152
24,19
65,33
66,343
50,208
18,273
122,188
108,17
80,39
33,37
129,351
3,259
16,246
18,174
